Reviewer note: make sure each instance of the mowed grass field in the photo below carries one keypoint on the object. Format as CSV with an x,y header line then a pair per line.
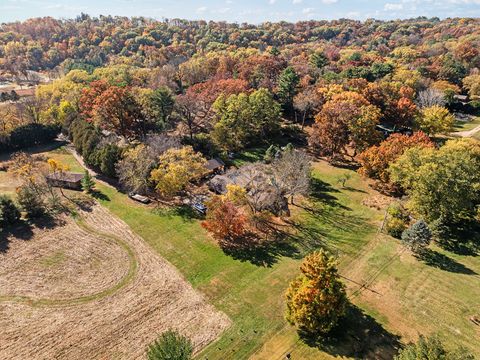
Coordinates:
x,y
402,295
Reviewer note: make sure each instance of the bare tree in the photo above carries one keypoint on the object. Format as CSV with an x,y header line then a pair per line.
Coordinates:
x,y
305,102
291,173
430,97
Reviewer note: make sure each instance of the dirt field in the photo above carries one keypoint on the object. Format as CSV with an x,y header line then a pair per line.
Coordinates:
x,y
93,290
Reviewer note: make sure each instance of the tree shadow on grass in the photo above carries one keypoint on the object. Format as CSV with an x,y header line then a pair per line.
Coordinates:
x,y
23,229
321,191
443,262
97,194
357,335
462,239
298,238
186,212
351,189
264,253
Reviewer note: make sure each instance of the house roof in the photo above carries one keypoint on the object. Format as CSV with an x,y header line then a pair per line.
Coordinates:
x,y
66,176
214,164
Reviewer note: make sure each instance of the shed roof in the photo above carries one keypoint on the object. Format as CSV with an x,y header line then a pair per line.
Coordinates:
x,y
66,176
214,164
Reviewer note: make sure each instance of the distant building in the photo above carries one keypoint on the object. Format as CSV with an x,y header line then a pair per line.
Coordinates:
x,y
65,180
461,98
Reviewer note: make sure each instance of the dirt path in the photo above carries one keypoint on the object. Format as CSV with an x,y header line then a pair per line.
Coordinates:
x,y
115,325
468,133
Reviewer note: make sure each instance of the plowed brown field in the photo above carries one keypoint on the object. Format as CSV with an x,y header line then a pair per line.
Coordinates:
x,y
92,289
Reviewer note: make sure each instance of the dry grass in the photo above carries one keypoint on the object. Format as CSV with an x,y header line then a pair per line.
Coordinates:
x,y
95,302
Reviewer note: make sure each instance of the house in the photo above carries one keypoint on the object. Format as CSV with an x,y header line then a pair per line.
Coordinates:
x,y
66,180
262,193
215,166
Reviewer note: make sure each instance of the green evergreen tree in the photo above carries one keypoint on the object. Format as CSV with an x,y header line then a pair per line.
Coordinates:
x,y
271,153
288,87
9,213
87,182
31,201
319,60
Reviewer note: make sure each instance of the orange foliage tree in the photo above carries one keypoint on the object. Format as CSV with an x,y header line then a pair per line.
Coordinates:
x,y
375,160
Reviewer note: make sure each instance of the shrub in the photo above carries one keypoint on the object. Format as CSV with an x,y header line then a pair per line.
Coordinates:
x,y
170,346
316,300
397,220
395,227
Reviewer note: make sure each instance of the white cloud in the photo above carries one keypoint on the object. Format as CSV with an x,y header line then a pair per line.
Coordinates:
x,y
392,7
201,9
329,1
294,2
307,10
353,15
221,11
271,2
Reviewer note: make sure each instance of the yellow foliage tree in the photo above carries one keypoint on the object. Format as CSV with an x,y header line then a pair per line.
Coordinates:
x,y
435,120
317,298
472,84
176,168
236,194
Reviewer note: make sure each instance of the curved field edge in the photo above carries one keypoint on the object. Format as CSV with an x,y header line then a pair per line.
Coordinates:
x,y
132,269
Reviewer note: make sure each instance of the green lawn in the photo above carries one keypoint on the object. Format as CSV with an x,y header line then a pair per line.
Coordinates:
x,y
404,296
251,294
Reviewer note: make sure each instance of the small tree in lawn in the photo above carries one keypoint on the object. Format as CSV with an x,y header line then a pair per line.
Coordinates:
x,y
316,300
417,237
342,180
87,182
170,346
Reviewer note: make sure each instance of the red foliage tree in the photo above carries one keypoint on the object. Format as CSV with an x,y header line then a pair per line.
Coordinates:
x,y
225,221
112,108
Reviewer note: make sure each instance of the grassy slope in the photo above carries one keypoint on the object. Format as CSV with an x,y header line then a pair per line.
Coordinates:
x,y
411,298
252,295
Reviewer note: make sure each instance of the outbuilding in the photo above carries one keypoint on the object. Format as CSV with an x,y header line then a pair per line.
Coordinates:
x,y
215,166
65,180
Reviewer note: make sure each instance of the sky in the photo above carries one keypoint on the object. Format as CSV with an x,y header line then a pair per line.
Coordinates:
x,y
252,11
